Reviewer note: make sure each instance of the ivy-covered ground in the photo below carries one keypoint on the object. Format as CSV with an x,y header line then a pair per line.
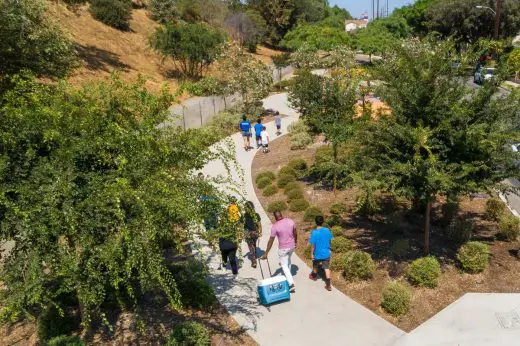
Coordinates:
x,y
374,235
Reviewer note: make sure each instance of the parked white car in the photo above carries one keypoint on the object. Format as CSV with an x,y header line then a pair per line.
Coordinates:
x,y
484,74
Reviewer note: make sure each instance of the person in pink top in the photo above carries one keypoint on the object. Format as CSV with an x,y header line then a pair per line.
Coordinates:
x,y
285,230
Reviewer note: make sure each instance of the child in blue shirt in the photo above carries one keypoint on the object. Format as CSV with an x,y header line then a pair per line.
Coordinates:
x,y
245,127
258,133
320,251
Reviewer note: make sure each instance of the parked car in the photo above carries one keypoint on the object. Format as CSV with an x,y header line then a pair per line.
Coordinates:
x,y
484,74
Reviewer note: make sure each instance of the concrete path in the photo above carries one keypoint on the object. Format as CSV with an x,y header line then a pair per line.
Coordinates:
x,y
317,317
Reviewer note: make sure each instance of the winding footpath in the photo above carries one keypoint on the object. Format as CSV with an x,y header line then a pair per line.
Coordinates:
x,y
317,317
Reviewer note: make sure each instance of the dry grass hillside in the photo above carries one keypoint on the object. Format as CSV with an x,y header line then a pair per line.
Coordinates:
x,y
103,49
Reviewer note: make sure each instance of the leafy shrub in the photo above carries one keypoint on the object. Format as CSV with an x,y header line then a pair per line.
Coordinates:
x,y
297,127
66,340
297,205
509,227
276,206
307,252
189,333
300,140
396,298
334,220
292,186
460,231
298,165
337,231
495,208
311,213
116,13
263,182
338,209
366,204
340,245
52,324
269,190
286,170
164,11
400,248
295,194
207,86
191,279
337,262
74,2
265,174
473,256
284,180
449,212
424,272
358,265
224,124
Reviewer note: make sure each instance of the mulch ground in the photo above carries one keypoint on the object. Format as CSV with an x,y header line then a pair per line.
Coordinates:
x,y
371,235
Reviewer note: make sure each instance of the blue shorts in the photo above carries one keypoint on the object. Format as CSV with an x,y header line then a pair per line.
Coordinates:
x,y
246,134
258,137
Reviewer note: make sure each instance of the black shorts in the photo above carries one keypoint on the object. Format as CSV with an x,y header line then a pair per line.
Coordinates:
x,y
324,263
258,138
278,127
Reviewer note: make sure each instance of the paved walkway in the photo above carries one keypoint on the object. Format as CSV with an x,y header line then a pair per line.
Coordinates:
x,y
317,317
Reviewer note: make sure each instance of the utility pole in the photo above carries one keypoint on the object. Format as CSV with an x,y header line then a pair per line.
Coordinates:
x,y
373,13
498,10
378,9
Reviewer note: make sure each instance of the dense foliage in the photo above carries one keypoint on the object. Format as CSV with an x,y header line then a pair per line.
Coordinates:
x,y
474,256
396,298
116,13
189,333
315,36
164,11
424,272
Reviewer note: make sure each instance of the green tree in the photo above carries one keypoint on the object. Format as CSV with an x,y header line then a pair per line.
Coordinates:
x,y
317,37
248,29
415,16
279,15
336,17
281,61
514,62
164,11
310,11
29,41
442,138
90,190
374,40
116,13
193,47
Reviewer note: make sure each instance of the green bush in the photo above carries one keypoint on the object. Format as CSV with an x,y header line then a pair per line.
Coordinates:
x,y
474,256
265,174
460,231
115,13
269,190
65,340
311,213
286,170
263,182
358,265
276,206
284,180
295,194
424,272
292,186
449,212
338,209
337,231
298,126
298,165
396,298
164,11
340,245
400,248
223,124
307,252
495,208
337,262
334,220
52,324
191,280
300,140
297,205
189,334
366,204
509,227
207,86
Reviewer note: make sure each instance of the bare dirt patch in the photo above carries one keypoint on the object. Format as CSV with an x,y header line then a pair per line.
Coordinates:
x,y
372,235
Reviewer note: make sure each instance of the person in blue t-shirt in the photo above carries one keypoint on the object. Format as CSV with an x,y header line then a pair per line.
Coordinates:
x,y
320,251
258,133
245,127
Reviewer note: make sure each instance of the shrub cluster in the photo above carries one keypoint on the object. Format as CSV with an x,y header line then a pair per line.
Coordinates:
x,y
337,262
284,180
276,206
396,298
494,209
263,182
366,204
164,11
66,340
52,324
265,174
337,231
340,245
298,165
460,231
191,280
338,209
311,213
400,248
286,170
115,13
509,227
269,190
291,186
223,124
424,272
473,256
295,194
334,220
299,135
189,333
358,265
207,86
297,205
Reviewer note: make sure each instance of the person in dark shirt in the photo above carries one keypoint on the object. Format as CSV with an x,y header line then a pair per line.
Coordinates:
x,y
252,229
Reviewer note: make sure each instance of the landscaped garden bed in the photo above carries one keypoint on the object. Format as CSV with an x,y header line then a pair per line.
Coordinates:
x,y
393,237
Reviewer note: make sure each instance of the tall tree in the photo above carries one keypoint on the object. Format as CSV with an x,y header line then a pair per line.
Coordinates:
x,y
279,15
443,138
415,15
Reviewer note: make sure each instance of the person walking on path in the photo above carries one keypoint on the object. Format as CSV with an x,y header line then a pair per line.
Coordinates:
x,y
265,140
253,230
285,230
258,133
228,239
278,122
245,127
320,251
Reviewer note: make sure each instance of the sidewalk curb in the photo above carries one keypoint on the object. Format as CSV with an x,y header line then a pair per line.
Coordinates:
x,y
504,199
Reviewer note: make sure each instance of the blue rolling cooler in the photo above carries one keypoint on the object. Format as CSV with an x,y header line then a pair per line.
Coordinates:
x,y
274,289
